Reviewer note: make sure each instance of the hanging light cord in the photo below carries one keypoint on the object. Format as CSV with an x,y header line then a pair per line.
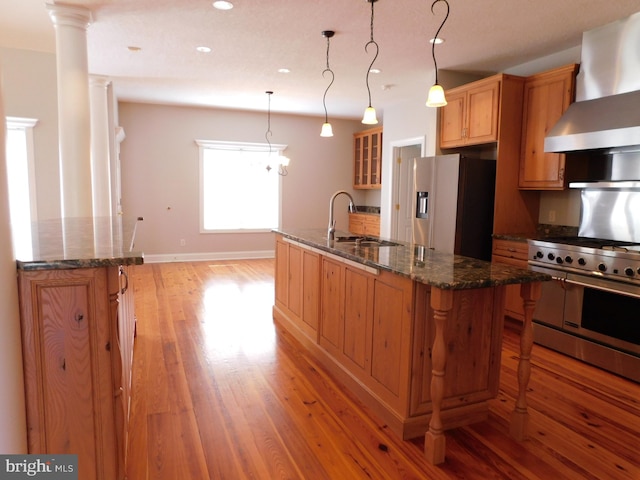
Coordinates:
x,y
268,132
366,49
433,43
328,69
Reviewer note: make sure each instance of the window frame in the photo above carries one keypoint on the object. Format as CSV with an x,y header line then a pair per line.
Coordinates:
x,y
276,149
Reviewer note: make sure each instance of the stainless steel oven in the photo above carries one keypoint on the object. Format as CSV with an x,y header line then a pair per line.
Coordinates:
x,y
591,308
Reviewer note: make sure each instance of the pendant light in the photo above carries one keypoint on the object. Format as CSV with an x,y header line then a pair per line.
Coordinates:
x,y
436,96
283,163
327,131
369,117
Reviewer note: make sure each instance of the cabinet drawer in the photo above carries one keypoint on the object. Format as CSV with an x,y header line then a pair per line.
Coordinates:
x,y
511,249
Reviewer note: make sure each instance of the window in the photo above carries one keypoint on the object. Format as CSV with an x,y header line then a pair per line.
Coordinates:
x,y
20,173
238,193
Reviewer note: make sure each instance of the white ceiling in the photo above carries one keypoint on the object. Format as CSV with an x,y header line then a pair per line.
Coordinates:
x,y
253,40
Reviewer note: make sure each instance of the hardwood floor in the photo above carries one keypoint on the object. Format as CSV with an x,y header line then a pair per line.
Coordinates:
x,y
220,393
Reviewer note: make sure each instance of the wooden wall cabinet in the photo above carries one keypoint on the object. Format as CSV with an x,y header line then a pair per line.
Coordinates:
x,y
77,353
367,159
511,252
364,224
547,96
471,114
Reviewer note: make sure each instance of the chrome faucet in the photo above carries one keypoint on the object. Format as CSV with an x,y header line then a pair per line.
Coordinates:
x,y
332,223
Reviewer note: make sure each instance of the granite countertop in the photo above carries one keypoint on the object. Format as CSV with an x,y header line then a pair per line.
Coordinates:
x,y
81,242
438,269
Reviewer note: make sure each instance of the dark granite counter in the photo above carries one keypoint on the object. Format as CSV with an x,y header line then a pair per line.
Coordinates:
x,y
81,243
438,269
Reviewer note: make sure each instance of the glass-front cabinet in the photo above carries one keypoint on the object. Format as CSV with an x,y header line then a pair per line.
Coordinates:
x,y
367,162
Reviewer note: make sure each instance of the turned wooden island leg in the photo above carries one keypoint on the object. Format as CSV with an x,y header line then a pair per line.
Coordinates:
x,y
530,293
434,440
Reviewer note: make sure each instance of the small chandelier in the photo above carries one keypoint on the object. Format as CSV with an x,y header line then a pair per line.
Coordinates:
x,y
369,117
284,161
436,96
327,131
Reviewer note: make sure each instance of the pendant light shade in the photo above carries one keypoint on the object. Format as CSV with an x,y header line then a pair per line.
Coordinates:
x,y
327,131
370,117
436,97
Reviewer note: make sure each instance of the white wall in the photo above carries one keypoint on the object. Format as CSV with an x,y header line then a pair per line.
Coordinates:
x,y
160,175
30,90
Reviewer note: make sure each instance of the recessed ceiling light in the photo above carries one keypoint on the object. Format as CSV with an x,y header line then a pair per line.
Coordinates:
x,y
437,41
221,5
284,70
375,70
203,49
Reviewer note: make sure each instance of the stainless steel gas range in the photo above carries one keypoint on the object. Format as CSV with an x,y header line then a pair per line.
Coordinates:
x,y
591,308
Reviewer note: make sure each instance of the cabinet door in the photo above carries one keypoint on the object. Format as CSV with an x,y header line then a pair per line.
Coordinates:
x,y
332,306
367,163
67,346
282,273
375,177
546,98
310,292
452,120
357,160
482,114
295,280
356,318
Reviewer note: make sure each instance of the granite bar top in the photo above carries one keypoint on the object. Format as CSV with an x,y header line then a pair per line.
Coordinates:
x,y
81,242
438,269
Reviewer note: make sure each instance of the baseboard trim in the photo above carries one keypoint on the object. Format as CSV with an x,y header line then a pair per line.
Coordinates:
x,y
207,256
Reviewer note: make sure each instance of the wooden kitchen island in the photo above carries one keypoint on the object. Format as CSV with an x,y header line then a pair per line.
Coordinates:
x,y
415,334
78,326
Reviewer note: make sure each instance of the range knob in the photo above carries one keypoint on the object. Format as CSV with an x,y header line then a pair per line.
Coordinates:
x,y
602,267
629,271
582,261
551,256
568,259
559,260
539,254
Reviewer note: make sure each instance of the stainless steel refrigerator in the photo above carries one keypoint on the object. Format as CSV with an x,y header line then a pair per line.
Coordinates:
x,y
453,204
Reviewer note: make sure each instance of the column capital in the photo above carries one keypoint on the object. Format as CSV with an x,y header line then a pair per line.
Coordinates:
x,y
69,15
99,81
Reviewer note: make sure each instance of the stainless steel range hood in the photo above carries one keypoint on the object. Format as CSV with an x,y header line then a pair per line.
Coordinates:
x,y
606,113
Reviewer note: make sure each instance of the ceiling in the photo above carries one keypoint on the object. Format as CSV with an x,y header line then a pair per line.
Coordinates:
x,y
256,38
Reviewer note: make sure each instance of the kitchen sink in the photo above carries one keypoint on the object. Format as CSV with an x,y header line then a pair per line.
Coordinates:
x,y
364,241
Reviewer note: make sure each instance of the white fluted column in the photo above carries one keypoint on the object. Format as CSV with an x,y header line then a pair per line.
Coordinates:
x,y
13,424
100,145
74,120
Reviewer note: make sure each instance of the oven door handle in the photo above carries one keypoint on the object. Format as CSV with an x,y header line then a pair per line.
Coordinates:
x,y
598,286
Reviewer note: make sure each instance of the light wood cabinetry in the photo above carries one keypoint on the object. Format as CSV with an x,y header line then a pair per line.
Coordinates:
x,y
376,332
77,352
547,96
298,285
366,325
367,159
514,253
364,224
471,114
